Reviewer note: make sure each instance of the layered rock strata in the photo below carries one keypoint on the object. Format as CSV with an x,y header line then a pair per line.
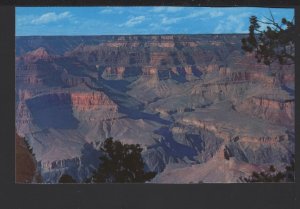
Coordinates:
x,y
186,99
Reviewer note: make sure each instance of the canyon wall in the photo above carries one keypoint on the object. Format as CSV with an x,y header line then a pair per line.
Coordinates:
x,y
184,98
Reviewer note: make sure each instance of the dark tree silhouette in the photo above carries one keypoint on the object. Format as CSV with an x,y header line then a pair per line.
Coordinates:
x,y
272,175
121,163
65,178
275,43
29,147
227,153
290,171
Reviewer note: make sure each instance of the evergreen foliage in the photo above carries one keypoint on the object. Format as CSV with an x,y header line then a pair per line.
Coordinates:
x,y
121,163
29,147
65,178
275,43
227,153
272,175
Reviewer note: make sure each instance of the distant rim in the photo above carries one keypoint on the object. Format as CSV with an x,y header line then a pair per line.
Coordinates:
x,y
177,34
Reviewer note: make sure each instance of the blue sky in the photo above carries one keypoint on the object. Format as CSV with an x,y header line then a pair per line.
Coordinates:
x,y
138,20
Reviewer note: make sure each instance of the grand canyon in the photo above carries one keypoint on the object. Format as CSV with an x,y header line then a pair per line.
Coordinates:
x,y
188,100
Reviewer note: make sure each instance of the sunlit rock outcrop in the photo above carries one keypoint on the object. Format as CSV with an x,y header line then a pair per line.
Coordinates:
x,y
186,99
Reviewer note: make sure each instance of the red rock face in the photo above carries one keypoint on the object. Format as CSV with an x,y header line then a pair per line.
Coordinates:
x,y
158,57
25,94
163,44
261,76
253,75
150,70
138,88
277,111
188,70
84,101
155,41
211,68
39,54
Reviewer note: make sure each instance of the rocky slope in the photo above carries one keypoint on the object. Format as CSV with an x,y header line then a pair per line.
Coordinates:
x,y
185,98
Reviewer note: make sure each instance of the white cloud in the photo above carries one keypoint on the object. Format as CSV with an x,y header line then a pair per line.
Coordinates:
x,y
166,9
112,10
158,9
106,11
50,17
169,21
233,24
216,14
23,19
204,13
158,28
134,21
196,14
201,14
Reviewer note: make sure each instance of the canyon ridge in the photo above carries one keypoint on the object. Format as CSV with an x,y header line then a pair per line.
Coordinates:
x,y
201,108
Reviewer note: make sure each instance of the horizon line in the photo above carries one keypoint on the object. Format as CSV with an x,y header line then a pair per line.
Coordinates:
x,y
164,34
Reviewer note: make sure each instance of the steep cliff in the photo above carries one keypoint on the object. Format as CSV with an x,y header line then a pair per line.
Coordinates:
x,y
280,111
184,98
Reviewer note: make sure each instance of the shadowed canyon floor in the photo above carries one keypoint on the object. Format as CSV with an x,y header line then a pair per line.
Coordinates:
x,y
184,98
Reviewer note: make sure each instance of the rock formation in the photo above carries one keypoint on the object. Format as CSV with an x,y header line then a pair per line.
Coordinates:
x,y
186,99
